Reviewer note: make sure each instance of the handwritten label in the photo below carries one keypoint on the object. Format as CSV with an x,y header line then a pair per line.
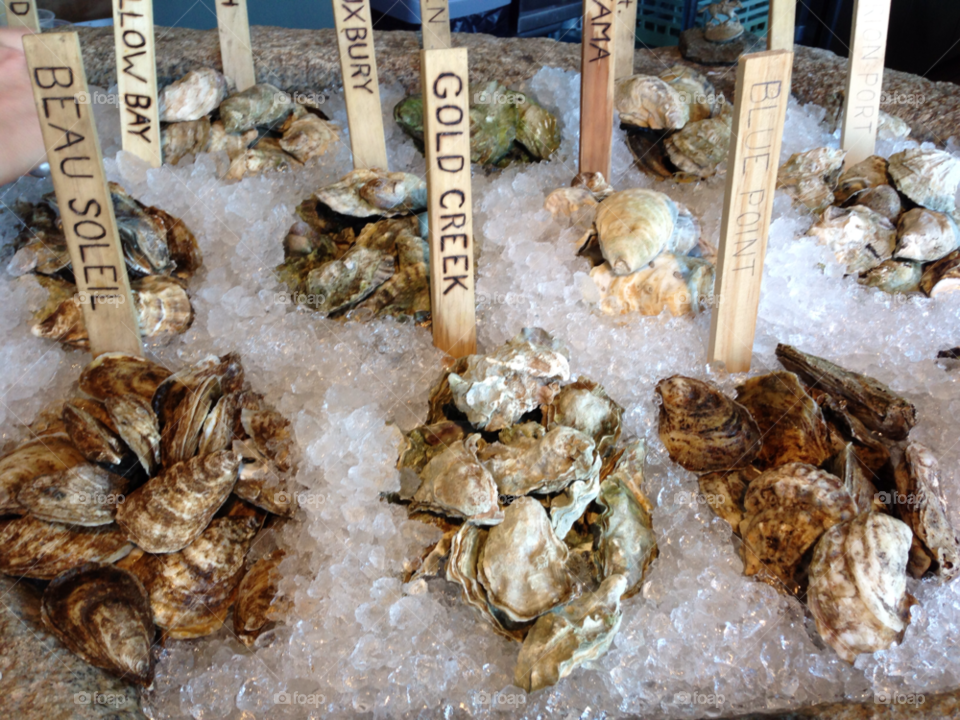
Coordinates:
x,y
626,32
361,85
76,167
137,79
435,21
447,143
861,106
236,52
596,86
23,13
763,88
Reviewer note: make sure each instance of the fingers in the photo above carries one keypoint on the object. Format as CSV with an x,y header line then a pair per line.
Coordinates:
x,y
13,37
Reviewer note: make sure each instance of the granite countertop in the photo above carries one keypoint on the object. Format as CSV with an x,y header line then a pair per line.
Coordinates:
x,y
307,60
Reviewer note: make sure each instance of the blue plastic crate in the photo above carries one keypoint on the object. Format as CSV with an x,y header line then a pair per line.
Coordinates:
x,y
659,22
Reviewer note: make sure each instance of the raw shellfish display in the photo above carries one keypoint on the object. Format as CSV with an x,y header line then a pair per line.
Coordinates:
x,y
547,527
802,465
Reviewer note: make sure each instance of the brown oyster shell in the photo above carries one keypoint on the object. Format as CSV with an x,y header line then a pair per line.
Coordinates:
x,y
217,431
456,484
41,456
84,495
91,436
181,433
724,491
102,613
116,374
261,483
855,475
38,549
810,177
270,431
703,429
164,308
137,424
942,276
259,601
854,180
883,199
424,443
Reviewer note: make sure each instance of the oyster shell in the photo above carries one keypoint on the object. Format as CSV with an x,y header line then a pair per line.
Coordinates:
x,y
456,484
922,508
678,283
785,511
883,199
537,130
570,505
857,593
894,276
261,483
174,507
183,426
859,237
265,156
182,388
650,102
83,495
217,431
137,424
30,460
38,549
362,193
701,147
702,429
495,390
180,139
634,226
546,465
142,236
163,307
192,97
102,614
60,318
261,104
234,144
849,468
585,406
928,177
627,543
308,136
790,421
424,443
810,177
696,91
116,374
564,639
259,600
942,276
522,565
854,180
925,235
890,127
867,399
343,283
724,491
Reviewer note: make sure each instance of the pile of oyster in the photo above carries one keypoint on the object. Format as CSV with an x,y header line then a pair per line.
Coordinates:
x,y
646,249
546,526
360,248
813,469
891,222
137,503
678,126
159,251
506,126
261,128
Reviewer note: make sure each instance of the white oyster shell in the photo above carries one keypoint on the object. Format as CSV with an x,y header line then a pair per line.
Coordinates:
x,y
810,177
928,177
926,235
636,225
362,193
860,238
195,95
546,465
679,283
456,484
650,102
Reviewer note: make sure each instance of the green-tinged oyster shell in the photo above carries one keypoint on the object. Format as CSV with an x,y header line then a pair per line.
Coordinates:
x,y
261,104
537,130
894,276
585,406
340,284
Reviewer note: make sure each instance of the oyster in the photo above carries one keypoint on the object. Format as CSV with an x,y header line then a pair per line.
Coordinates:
x,y
343,283
859,237
724,491
696,91
883,199
894,276
785,511
261,483
259,600
854,180
137,424
60,318
570,505
38,549
113,375
261,104
307,136
183,426
851,469
564,639
102,614
585,406
180,139
810,177
634,226
495,390
868,400
627,544
925,235
142,235
234,144
218,427
173,397
544,466
537,130
424,443
577,205
266,155
702,429
678,283
33,459
650,102
942,276
522,565
701,147
890,127
928,177
456,484
83,495
857,593
163,307
362,193
921,506
174,507
790,421
192,97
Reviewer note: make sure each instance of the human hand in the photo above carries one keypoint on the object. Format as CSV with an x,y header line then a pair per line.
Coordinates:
x,y
21,144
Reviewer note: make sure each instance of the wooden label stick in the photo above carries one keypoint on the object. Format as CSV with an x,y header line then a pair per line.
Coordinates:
x,y
435,20
23,13
446,133
861,105
626,32
76,168
596,86
782,25
236,52
361,86
137,79
763,88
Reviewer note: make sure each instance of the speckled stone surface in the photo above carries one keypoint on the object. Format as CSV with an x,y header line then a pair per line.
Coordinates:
x,y
307,60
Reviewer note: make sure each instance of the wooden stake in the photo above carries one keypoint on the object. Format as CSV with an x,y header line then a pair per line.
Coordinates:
x,y
596,86
435,20
137,79
763,87
446,132
782,25
236,52
861,105
23,13
76,167
626,33
361,86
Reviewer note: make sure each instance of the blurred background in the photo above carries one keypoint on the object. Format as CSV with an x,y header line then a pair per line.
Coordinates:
x,y
924,35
